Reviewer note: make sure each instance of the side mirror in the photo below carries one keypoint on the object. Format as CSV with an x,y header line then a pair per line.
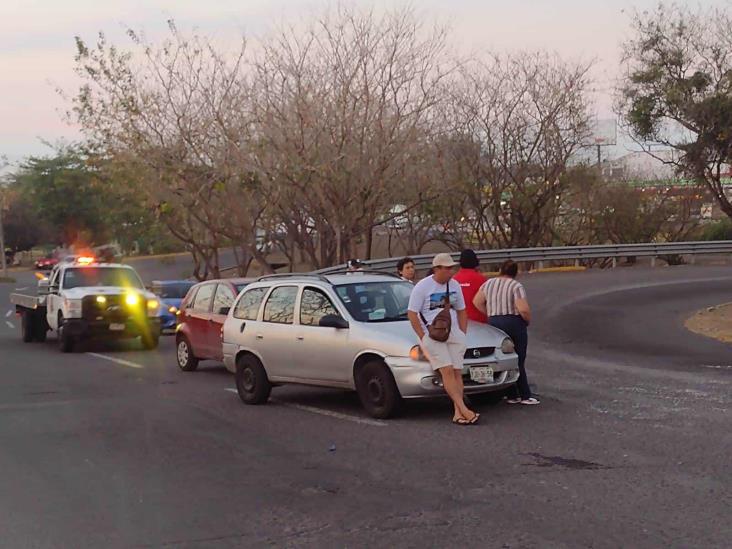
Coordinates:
x,y
224,311
334,321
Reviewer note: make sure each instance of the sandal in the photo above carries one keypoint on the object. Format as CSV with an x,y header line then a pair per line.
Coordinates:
x,y
530,401
475,419
460,421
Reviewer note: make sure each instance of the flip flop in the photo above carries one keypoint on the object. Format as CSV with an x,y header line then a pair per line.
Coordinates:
x,y
514,401
530,402
461,421
475,419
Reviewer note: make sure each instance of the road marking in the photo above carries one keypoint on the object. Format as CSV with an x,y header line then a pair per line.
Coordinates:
x,y
117,360
328,413
10,312
10,325
21,289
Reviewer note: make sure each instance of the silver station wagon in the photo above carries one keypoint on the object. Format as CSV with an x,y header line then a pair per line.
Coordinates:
x,y
347,331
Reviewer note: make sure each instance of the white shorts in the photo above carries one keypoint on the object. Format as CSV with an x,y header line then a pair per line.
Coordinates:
x,y
449,353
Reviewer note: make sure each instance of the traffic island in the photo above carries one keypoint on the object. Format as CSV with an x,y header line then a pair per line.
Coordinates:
x,y
714,322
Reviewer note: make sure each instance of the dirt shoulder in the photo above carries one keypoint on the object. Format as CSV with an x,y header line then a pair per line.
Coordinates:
x,y
715,322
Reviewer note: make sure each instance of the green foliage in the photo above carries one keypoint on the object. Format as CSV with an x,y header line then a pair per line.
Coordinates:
x,y
719,230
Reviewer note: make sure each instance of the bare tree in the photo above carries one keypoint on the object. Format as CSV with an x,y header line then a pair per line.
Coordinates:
x,y
343,113
518,119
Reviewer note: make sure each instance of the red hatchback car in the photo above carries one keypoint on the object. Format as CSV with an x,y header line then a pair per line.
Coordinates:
x,y
202,314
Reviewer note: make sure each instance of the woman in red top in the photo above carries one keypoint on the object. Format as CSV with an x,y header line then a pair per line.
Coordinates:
x,y
470,280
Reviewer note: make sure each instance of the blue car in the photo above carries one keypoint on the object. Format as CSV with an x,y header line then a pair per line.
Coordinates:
x,y
171,293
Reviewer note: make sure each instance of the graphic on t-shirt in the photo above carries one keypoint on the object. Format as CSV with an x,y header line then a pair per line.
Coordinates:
x,y
438,299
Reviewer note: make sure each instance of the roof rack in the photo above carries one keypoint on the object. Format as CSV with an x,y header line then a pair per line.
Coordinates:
x,y
364,271
293,275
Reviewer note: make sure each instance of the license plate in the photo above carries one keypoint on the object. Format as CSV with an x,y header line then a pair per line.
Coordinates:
x,y
117,327
481,374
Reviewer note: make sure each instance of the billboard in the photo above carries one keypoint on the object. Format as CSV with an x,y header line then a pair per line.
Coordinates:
x,y
603,131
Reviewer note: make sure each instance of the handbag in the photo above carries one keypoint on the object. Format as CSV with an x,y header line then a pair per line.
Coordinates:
x,y
440,328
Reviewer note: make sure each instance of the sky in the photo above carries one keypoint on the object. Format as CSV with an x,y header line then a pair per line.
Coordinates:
x,y
37,42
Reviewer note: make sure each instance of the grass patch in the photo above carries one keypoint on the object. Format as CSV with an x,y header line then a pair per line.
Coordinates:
x,y
714,322
7,280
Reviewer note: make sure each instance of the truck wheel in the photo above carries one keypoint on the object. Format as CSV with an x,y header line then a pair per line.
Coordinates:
x,y
40,330
377,390
65,341
26,327
184,353
252,382
150,341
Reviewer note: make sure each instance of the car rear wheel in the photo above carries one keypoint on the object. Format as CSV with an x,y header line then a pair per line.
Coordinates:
x,y
252,382
377,390
184,353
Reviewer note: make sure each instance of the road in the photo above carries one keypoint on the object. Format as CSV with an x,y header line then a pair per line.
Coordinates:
x,y
631,446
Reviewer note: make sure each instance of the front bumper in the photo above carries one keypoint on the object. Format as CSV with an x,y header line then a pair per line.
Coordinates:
x,y
416,379
102,329
168,322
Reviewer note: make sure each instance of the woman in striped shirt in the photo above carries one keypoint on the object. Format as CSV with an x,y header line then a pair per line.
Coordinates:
x,y
503,300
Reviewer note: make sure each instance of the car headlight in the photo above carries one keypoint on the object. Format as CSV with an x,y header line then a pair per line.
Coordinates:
x,y
415,353
101,299
173,310
507,346
132,299
153,305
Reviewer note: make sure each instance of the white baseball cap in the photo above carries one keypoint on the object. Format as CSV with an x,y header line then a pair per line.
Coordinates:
x,y
443,260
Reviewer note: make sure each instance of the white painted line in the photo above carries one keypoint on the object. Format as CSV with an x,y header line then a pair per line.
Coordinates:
x,y
10,325
328,413
21,289
117,360
9,313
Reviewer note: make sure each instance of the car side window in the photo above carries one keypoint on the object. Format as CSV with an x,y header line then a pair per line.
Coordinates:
x,y
54,279
248,306
314,305
204,297
224,298
280,306
191,298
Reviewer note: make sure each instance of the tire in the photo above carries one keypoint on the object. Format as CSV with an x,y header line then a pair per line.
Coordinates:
x,y
377,390
41,330
65,342
252,382
184,355
150,342
27,327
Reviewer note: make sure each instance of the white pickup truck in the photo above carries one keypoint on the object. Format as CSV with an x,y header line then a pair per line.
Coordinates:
x,y
89,300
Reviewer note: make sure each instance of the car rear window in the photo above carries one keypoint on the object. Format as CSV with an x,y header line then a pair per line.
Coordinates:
x,y
175,290
376,301
248,306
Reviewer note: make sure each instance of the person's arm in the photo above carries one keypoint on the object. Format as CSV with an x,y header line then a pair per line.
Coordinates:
x,y
480,302
416,324
463,320
522,305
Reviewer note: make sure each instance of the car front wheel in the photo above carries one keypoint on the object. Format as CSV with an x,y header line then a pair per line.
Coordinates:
x,y
66,341
377,390
252,382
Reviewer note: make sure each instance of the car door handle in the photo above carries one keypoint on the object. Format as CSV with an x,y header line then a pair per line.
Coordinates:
x,y
210,320
260,336
241,328
300,338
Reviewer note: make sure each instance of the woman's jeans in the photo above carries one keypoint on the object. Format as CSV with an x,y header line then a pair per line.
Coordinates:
x,y
515,327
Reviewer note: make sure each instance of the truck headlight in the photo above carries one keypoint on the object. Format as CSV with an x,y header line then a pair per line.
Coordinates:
x,y
507,346
132,299
73,308
153,307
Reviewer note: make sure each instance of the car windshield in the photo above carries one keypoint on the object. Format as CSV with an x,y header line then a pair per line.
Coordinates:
x,y
101,276
175,290
385,301
239,287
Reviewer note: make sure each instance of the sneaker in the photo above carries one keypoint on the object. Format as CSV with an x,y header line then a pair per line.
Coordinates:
x,y
514,401
530,401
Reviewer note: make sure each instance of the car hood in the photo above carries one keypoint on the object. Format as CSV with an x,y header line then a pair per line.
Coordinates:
x,y
396,338
172,301
81,292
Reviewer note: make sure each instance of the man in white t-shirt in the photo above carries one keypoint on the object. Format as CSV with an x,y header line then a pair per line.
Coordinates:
x,y
426,301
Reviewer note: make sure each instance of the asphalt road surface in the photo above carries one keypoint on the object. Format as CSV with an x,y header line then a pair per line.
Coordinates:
x,y
631,446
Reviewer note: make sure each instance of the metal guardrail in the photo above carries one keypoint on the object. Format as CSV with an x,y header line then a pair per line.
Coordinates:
x,y
564,253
